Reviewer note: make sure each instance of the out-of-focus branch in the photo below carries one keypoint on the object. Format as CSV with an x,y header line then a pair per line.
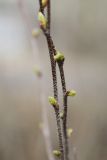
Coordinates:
x,y
45,128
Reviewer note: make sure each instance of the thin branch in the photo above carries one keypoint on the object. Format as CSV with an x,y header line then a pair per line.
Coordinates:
x,y
65,110
53,66
49,15
60,65
64,102
54,75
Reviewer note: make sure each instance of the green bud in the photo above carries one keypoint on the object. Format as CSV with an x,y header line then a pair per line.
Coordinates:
x,y
41,125
57,153
36,32
61,115
37,71
44,3
69,132
53,102
71,93
59,57
42,20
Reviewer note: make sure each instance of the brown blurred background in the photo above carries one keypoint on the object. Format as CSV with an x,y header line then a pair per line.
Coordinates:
x,y
79,30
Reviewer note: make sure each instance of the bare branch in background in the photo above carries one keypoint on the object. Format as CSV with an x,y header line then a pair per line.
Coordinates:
x,y
45,129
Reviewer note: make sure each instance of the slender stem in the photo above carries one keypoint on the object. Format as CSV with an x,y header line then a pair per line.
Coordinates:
x,y
65,110
59,133
64,101
49,15
52,52
62,78
53,66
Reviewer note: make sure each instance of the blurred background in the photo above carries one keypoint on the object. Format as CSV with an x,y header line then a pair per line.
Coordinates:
x,y
79,30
